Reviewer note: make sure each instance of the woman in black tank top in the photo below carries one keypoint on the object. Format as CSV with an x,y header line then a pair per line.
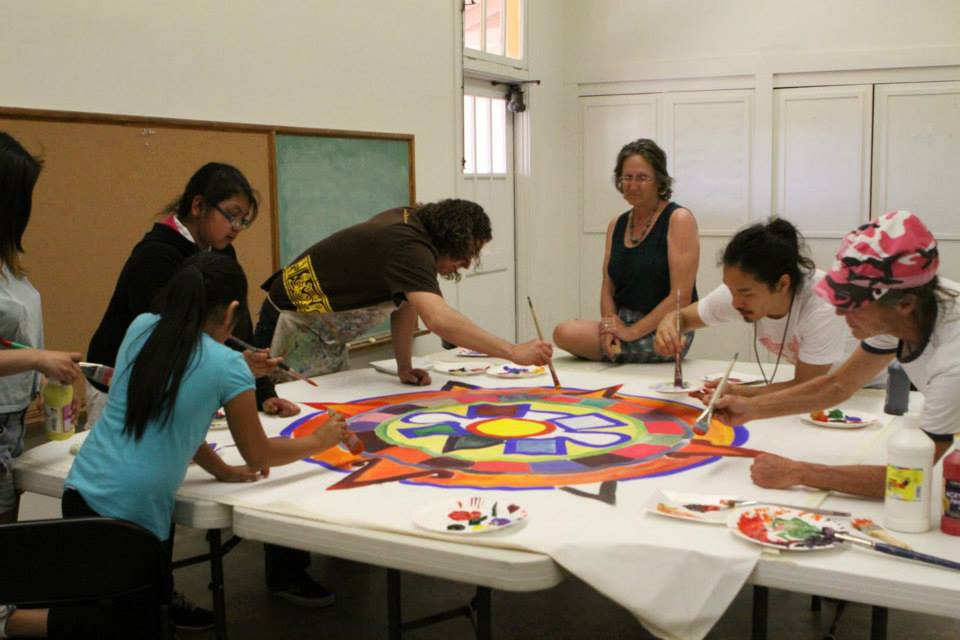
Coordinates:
x,y
652,251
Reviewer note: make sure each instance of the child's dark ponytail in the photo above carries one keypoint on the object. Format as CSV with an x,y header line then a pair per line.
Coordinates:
x,y
200,291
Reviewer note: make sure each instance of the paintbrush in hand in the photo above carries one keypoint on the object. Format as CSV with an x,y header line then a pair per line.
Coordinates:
x,y
677,370
237,343
536,323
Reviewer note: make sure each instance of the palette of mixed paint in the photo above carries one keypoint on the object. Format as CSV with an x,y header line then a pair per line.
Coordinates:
x,y
477,514
840,419
697,507
783,528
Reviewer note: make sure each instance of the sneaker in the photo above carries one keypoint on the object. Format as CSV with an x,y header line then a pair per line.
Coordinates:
x,y
306,592
188,616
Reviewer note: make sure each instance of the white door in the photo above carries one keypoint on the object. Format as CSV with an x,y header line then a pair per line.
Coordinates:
x,y
487,293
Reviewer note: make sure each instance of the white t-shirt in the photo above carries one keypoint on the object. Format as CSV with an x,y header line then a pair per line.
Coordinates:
x,y
935,370
816,334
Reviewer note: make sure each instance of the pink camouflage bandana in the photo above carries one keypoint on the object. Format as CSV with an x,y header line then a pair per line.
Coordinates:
x,y
895,251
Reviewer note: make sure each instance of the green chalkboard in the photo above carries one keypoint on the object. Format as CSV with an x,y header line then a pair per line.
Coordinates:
x,y
327,183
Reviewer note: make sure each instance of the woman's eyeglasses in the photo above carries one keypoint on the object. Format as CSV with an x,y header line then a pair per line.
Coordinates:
x,y
237,222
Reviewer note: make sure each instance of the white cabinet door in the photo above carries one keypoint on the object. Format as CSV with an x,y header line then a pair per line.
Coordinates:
x,y
608,124
707,138
917,153
822,158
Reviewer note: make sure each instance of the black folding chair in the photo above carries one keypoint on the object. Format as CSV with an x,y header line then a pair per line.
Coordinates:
x,y
100,562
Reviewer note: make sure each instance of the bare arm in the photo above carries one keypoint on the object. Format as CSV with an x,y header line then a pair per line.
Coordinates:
x,y
453,326
607,306
775,472
259,451
819,393
668,341
683,254
402,323
57,365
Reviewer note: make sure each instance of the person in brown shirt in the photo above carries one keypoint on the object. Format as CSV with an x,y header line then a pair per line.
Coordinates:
x,y
387,266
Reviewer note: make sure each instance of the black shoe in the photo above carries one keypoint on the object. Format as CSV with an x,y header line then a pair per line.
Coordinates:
x,y
306,592
188,616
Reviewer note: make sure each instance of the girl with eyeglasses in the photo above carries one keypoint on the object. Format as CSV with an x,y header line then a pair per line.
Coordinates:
x,y
651,259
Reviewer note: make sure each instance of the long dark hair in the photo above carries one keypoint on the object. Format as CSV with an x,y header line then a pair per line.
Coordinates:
x,y
214,182
767,251
200,291
18,174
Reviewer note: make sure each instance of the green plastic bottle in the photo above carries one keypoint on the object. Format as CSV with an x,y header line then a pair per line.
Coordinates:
x,y
58,410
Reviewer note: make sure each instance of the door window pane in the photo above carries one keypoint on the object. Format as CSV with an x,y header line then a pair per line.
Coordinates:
x,y
498,135
483,134
469,136
494,27
471,25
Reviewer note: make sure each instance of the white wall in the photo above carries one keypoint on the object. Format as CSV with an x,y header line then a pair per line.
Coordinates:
x,y
650,46
376,66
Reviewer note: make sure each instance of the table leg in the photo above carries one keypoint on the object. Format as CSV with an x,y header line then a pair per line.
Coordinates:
x,y
760,597
216,584
878,623
394,614
482,608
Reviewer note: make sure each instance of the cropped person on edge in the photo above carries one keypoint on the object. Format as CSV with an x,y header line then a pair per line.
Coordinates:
x,y
769,282
385,267
652,252
173,373
884,283
21,320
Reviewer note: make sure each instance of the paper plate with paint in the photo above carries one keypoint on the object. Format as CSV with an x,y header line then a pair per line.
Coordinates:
x,y
463,352
460,369
670,388
841,419
516,371
219,420
471,515
697,507
736,377
783,528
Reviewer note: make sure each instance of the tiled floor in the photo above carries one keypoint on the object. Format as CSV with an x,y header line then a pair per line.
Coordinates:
x,y
571,610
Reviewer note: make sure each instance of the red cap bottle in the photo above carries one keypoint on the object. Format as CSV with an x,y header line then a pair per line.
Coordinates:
x,y
950,521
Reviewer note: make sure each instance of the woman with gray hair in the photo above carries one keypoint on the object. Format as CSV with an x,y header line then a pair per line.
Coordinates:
x,y
651,258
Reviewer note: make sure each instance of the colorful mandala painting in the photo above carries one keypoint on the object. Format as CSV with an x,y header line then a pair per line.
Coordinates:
x,y
464,436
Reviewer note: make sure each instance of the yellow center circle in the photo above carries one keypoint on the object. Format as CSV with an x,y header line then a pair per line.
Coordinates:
x,y
510,428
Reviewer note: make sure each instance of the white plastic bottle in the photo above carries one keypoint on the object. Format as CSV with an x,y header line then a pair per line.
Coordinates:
x,y
906,504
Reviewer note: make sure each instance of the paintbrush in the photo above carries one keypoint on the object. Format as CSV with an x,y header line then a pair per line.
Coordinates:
x,y
677,371
703,420
536,323
830,533
237,343
872,529
97,372
10,344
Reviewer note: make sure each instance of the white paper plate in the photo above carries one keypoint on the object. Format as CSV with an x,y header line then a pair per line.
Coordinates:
x,y
851,420
463,352
516,371
668,388
470,515
736,377
695,507
461,368
780,527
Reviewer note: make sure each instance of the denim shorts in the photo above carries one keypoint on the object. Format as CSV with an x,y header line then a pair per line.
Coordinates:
x,y
11,445
641,351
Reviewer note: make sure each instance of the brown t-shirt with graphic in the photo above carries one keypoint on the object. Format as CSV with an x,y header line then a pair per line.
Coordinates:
x,y
367,264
